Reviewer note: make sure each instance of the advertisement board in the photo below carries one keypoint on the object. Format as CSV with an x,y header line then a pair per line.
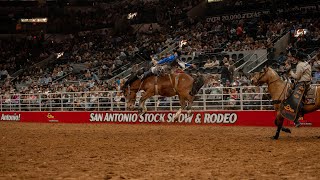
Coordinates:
x,y
213,118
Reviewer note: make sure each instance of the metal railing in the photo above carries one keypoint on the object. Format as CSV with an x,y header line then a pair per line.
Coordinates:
x,y
213,98
254,65
243,61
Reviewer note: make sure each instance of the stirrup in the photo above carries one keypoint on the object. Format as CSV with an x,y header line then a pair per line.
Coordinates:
x,y
141,76
297,123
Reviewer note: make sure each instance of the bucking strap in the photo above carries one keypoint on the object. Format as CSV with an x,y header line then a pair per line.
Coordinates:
x,y
174,86
156,85
176,82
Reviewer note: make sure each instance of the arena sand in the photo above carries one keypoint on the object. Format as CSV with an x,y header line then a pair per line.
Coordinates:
x,y
104,151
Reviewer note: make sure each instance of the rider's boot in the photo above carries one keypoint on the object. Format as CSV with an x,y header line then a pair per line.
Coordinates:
x,y
145,75
300,114
297,122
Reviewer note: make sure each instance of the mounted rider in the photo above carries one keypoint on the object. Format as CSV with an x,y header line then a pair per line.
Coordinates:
x,y
167,63
302,77
164,64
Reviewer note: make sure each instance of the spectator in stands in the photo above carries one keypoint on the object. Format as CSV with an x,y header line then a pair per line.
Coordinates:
x,y
225,74
233,97
316,66
248,95
257,98
3,74
209,64
282,58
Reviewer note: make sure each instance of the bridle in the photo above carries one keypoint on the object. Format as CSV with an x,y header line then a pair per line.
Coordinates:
x,y
278,101
129,88
265,72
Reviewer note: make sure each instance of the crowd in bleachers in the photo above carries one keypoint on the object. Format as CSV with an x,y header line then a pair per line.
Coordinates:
x,y
91,58
102,15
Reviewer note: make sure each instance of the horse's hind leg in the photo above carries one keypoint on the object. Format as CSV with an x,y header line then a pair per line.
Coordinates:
x,y
284,129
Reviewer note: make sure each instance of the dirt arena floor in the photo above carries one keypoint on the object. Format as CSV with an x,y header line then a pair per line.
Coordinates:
x,y
83,151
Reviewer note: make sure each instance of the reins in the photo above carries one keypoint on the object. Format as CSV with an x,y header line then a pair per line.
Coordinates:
x,y
129,87
277,101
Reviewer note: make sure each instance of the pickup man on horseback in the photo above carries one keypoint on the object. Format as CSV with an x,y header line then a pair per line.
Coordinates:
x,y
303,77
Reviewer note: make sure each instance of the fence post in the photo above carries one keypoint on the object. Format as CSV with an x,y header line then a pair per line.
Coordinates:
x,y
61,102
241,97
170,103
156,103
40,102
98,102
1,103
73,102
19,104
261,97
10,103
111,101
29,105
204,99
222,99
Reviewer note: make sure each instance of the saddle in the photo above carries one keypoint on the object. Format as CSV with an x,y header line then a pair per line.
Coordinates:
x,y
298,97
290,108
310,95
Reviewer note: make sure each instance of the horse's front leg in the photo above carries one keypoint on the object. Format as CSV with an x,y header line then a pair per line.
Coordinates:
x,y
279,124
284,129
142,106
189,109
189,106
183,106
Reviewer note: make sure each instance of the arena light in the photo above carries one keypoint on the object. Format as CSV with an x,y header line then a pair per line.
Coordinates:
x,y
132,15
182,43
211,1
300,32
59,55
34,20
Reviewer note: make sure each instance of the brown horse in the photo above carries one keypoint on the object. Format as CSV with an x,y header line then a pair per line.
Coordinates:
x,y
278,90
167,85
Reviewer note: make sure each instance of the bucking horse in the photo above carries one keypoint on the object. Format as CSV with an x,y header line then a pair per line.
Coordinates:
x,y
167,85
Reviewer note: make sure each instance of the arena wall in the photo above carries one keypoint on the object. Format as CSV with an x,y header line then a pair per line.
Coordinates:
x,y
200,118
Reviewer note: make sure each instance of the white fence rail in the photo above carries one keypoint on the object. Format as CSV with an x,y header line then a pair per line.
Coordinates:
x,y
214,98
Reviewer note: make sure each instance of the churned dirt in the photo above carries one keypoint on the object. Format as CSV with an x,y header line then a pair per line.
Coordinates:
x,y
103,151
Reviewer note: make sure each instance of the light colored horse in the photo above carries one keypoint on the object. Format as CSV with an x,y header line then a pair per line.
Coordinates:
x,y
278,90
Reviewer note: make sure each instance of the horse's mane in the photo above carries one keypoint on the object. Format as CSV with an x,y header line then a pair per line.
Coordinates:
x,y
133,77
279,74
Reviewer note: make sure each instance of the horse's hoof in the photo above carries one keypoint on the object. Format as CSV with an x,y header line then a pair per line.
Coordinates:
x,y
189,113
286,130
275,137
